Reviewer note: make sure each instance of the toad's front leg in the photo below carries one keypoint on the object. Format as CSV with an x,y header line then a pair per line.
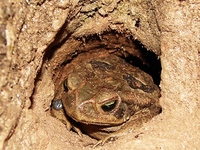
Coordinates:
x,y
58,112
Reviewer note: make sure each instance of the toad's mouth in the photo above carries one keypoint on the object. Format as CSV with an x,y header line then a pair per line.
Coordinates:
x,y
103,124
97,122
106,121
99,131
102,127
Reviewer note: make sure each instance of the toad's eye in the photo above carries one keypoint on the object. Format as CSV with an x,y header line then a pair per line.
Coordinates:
x,y
65,85
107,107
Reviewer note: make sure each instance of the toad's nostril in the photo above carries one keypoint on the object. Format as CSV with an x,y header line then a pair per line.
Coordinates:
x,y
65,85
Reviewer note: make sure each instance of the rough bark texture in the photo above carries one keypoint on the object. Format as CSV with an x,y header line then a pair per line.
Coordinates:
x,y
37,36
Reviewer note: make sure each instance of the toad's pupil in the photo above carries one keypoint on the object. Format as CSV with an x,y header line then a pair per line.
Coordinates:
x,y
109,106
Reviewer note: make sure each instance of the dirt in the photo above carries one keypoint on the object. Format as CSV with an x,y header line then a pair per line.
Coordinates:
x,y
37,38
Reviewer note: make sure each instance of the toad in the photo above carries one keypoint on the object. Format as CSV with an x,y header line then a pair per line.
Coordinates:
x,y
101,95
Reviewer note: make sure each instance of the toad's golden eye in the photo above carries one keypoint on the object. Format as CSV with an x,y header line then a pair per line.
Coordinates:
x,y
65,85
107,107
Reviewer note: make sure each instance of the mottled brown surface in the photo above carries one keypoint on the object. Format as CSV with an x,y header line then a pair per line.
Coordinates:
x,y
104,95
29,29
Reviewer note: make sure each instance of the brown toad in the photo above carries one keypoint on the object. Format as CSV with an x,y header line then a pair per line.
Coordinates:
x,y
102,94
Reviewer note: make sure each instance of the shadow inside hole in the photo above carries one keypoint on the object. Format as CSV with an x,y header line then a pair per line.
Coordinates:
x,y
152,65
